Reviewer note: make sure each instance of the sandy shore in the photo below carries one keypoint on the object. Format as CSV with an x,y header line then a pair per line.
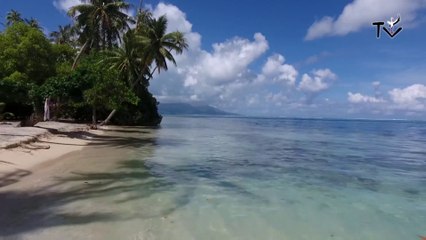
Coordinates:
x,y
25,148
73,188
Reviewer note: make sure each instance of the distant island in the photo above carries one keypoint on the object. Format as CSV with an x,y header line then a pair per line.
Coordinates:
x,y
190,109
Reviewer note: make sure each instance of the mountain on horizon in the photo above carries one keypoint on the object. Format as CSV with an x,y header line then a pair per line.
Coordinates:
x,y
190,109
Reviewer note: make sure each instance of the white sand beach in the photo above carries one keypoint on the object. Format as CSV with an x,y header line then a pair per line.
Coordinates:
x,y
29,147
48,193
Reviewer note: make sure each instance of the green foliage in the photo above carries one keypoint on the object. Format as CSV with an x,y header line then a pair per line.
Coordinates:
x,y
63,53
16,88
26,50
91,84
107,88
108,91
25,63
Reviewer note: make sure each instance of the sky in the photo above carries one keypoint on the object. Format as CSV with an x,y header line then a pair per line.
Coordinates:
x,y
280,58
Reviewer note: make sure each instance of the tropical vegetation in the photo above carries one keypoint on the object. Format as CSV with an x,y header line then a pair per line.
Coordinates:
x,y
98,67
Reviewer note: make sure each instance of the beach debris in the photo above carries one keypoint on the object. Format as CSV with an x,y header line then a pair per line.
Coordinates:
x,y
35,147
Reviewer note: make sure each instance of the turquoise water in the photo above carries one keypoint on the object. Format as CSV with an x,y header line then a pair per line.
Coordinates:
x,y
230,178
239,178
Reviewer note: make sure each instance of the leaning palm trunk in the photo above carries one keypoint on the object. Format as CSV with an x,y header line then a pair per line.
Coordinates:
x,y
106,121
111,115
77,58
114,111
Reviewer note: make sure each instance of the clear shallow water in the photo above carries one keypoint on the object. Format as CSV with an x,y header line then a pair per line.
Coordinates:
x,y
289,179
230,178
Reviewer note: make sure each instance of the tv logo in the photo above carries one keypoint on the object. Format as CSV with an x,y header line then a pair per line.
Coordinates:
x,y
392,23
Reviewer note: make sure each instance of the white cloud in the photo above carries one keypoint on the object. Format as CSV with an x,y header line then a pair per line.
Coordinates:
x,y
228,60
65,5
360,14
276,70
409,101
176,18
359,98
177,22
320,80
410,98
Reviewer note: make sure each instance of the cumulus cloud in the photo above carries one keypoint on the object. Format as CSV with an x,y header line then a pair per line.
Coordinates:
x,y
360,14
409,101
177,18
410,98
65,5
278,71
319,81
359,98
228,60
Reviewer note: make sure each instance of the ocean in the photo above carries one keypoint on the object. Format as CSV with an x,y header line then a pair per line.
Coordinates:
x,y
242,178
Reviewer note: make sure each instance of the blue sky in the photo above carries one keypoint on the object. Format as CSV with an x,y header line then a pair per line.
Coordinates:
x,y
286,58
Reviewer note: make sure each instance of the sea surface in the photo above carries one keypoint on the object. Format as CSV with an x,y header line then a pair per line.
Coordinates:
x,y
246,178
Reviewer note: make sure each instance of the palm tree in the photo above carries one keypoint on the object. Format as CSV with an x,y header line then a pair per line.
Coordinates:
x,y
148,45
32,22
126,60
100,23
13,17
64,35
157,44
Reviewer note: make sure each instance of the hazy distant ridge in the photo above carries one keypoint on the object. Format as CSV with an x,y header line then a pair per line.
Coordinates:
x,y
189,109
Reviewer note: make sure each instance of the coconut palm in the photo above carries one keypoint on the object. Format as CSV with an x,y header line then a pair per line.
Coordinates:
x,y
125,58
13,17
147,46
32,22
100,23
64,35
158,46
127,61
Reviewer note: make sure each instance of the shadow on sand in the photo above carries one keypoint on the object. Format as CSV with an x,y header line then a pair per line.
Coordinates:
x,y
129,182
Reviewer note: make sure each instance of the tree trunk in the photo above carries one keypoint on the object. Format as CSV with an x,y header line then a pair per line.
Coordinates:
x,y
77,58
106,121
94,120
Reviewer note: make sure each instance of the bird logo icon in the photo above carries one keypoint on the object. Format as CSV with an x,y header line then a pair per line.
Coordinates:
x,y
393,21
